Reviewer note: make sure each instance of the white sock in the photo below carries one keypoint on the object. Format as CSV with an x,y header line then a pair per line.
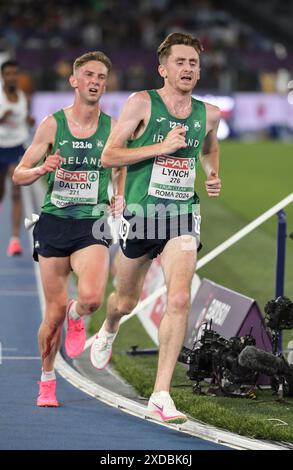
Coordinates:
x,y
161,394
48,375
73,313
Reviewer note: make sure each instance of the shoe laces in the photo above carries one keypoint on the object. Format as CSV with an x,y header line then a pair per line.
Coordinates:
x,y
103,343
77,325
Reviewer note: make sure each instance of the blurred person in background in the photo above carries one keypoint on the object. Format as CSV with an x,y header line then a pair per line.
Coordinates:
x,y
69,234
14,132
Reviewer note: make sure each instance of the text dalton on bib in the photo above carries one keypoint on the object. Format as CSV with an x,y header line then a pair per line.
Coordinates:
x,y
75,187
172,178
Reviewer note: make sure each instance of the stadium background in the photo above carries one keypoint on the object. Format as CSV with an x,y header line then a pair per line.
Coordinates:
x,y
247,69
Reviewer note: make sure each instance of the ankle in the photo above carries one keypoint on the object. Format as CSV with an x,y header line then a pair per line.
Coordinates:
x,y
48,375
72,312
108,332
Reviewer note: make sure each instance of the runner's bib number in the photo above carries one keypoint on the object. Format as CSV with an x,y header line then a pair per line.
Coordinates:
x,y
172,178
75,187
124,230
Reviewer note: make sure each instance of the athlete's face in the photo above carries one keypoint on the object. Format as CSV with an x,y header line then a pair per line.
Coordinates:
x,y
10,76
181,69
90,79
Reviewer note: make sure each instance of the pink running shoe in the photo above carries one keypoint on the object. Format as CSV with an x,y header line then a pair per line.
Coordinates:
x,y
75,338
47,394
14,247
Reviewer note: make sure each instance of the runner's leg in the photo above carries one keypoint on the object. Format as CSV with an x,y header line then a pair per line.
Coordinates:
x,y
179,266
91,265
54,275
130,277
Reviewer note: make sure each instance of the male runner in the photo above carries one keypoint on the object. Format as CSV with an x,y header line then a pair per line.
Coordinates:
x,y
72,230
167,132
14,124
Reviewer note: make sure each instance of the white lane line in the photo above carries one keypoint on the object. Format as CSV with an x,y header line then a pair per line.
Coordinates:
x,y
15,271
21,358
18,293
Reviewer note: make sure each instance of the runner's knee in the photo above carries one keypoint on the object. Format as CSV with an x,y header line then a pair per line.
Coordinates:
x,y
179,302
90,301
54,321
125,305
55,313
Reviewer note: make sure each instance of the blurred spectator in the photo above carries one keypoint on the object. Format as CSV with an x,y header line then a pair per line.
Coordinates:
x,y
45,36
114,81
63,71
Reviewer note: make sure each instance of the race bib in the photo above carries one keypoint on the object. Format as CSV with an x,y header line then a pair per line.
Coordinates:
x,y
197,222
75,187
172,178
124,230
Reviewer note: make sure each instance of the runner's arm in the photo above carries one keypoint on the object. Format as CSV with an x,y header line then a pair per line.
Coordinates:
x,y
135,112
118,182
26,171
210,154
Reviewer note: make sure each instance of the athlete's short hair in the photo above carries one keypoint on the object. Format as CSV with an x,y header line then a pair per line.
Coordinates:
x,y
164,49
95,55
9,63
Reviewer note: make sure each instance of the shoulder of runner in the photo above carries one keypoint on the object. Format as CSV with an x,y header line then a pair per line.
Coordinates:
x,y
213,116
47,129
140,102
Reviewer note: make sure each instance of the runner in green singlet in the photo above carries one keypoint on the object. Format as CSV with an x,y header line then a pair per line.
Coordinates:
x,y
168,133
72,232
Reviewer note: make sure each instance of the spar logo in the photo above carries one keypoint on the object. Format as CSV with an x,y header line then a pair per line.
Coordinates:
x,y
175,163
73,176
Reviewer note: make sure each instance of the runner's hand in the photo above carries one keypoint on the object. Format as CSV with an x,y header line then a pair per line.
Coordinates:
x,y
116,206
213,184
174,140
51,163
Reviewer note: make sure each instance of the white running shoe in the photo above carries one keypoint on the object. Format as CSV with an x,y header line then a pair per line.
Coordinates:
x,y
161,405
101,349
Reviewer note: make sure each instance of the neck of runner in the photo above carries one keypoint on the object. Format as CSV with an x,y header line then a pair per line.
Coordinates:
x,y
178,105
84,121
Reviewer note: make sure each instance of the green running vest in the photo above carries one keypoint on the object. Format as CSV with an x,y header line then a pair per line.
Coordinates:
x,y
79,189
167,181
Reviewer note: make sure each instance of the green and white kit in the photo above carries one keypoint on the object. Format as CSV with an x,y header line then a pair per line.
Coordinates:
x,y
167,180
79,189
